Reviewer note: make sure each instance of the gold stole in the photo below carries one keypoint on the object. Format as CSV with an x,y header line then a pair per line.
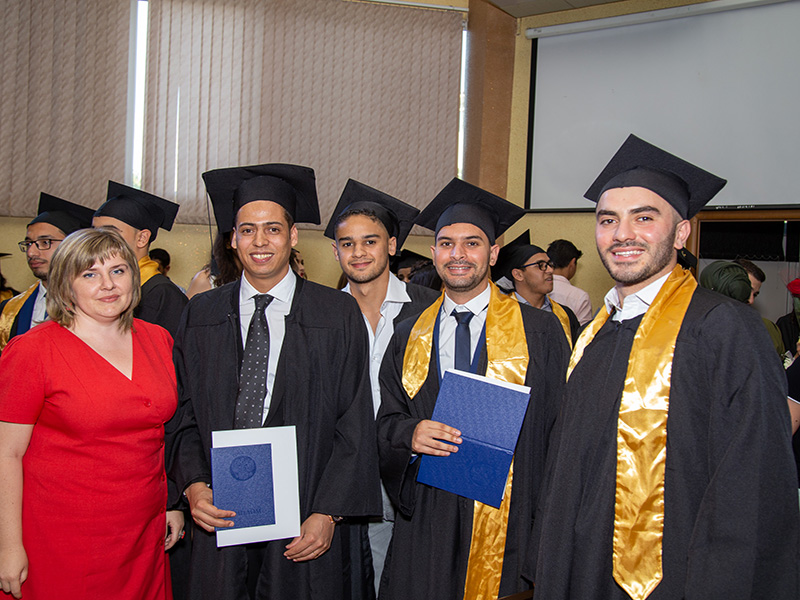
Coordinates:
x,y
507,355
147,268
642,434
559,311
10,312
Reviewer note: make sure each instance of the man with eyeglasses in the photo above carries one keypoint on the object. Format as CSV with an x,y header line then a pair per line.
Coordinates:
x,y
528,271
55,220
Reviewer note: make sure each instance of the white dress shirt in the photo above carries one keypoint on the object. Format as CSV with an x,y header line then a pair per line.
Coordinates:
x,y
635,304
39,307
447,327
283,294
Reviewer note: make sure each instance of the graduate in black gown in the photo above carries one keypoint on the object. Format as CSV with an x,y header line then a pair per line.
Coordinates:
x,y
368,228
315,378
670,474
436,550
137,216
526,271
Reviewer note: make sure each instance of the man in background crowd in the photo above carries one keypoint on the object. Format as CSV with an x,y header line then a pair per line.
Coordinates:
x,y
55,220
564,256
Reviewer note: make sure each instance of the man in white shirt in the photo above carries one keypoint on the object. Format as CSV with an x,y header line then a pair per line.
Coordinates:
x,y
564,256
55,220
671,473
368,228
445,545
272,349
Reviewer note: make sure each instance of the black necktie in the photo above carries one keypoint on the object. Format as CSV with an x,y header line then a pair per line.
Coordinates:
x,y
462,362
253,377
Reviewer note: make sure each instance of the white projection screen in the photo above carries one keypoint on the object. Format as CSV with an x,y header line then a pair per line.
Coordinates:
x,y
721,90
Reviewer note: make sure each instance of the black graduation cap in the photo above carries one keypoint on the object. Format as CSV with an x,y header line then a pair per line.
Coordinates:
x,y
405,259
4,254
292,186
138,209
513,255
397,216
462,202
640,164
67,216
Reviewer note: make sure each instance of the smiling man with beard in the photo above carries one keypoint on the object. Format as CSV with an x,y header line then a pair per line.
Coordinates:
x,y
670,474
55,220
368,228
445,545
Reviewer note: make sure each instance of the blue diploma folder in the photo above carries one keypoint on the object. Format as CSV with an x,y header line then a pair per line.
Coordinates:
x,y
489,414
242,480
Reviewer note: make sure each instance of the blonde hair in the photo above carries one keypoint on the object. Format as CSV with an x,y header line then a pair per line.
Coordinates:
x,y
78,252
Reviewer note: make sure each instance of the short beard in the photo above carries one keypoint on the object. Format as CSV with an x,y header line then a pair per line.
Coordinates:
x,y
662,255
370,275
463,285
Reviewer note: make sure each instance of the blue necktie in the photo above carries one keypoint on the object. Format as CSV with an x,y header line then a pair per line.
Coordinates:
x,y
253,376
463,355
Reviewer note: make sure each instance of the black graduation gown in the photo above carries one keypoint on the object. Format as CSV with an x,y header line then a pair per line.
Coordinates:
x,y
356,531
790,331
432,532
321,387
421,298
731,506
162,303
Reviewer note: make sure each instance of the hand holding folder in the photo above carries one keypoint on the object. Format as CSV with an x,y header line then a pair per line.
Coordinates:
x,y
489,414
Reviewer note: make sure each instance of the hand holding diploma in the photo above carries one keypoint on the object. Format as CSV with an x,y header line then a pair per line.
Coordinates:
x,y
204,513
432,437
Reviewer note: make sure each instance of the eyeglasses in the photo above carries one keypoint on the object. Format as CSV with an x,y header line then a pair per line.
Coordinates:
x,y
542,265
43,244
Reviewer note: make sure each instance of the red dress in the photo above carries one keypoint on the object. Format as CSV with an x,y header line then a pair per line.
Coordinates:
x,y
94,492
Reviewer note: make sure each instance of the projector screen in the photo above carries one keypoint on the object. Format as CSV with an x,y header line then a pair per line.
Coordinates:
x,y
720,90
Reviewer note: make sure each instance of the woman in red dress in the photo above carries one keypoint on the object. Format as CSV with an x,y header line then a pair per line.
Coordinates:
x,y
83,401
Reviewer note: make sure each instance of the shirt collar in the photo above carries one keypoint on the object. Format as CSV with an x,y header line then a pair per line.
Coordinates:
x,y
395,290
477,305
281,291
645,298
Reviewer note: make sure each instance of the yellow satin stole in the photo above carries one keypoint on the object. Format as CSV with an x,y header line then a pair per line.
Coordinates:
x,y
642,434
559,312
147,268
507,355
10,312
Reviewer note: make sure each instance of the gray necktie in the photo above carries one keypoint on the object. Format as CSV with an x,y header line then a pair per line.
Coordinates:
x,y
253,376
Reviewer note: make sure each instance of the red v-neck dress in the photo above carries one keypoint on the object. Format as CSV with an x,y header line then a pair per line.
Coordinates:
x,y
94,492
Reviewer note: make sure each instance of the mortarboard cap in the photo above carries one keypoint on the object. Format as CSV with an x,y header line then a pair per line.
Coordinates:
x,y
462,202
67,216
397,216
138,209
513,255
637,163
407,258
291,186
4,254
